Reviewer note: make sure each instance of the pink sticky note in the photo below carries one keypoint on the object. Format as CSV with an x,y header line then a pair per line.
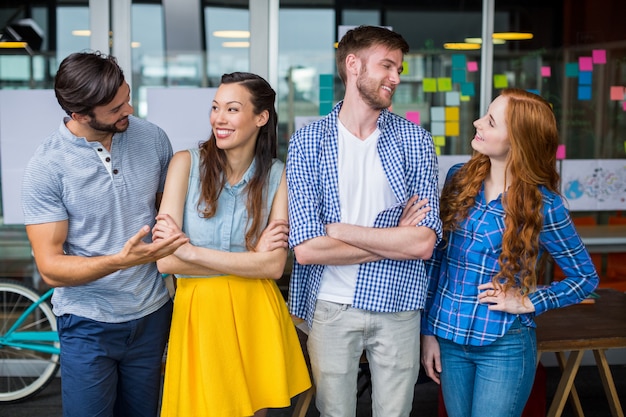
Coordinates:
x,y
560,152
624,105
413,116
585,63
599,56
617,93
546,71
472,66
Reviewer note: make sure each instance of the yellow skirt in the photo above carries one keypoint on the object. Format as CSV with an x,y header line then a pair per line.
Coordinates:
x,y
233,349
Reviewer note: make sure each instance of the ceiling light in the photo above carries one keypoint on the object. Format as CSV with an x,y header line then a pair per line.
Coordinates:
x,y
81,32
513,36
480,41
461,46
243,34
236,44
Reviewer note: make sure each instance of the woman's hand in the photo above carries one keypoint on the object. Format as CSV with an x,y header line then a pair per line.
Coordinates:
x,y
274,236
431,357
510,301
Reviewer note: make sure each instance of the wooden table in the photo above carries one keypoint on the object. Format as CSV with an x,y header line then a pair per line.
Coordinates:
x,y
579,328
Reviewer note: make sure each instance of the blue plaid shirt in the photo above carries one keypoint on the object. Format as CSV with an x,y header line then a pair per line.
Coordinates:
x,y
471,258
408,158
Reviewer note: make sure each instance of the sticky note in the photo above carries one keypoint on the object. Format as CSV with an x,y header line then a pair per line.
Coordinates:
x,y
458,75
438,128
468,90
453,98
584,77
500,81
439,140
472,66
465,98
326,94
624,106
326,80
534,91
458,61
598,56
437,150
405,68
325,107
430,85
546,71
617,92
571,69
413,116
585,63
452,128
584,92
444,84
437,114
452,114
560,152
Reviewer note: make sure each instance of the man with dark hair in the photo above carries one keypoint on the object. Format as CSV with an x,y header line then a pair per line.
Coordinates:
x,y
90,195
363,215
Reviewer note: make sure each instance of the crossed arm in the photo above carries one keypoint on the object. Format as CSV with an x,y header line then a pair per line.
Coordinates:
x,y
268,258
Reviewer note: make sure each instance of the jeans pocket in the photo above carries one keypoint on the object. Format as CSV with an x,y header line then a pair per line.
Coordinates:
x,y
327,312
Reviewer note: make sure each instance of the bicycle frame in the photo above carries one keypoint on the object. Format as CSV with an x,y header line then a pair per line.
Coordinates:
x,y
29,340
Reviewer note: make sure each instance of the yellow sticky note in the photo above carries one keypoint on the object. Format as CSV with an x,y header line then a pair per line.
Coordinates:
x,y
430,85
465,98
452,129
452,114
405,68
444,84
500,81
438,150
439,140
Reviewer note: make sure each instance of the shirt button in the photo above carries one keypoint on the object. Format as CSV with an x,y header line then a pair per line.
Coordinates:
x,y
115,171
99,149
108,159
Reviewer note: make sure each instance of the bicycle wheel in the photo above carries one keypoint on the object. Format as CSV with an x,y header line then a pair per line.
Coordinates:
x,y
27,365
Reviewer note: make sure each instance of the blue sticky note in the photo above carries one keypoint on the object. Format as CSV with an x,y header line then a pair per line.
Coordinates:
x,y
467,89
438,128
584,92
325,107
326,94
534,91
458,61
453,98
571,69
458,75
584,77
326,80
437,114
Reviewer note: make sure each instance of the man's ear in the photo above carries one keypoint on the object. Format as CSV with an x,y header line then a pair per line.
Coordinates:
x,y
80,118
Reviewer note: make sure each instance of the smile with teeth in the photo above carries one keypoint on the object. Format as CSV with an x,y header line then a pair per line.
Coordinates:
x,y
384,87
478,137
222,133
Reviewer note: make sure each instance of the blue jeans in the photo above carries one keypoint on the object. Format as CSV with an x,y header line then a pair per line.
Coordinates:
x,y
112,369
336,341
493,380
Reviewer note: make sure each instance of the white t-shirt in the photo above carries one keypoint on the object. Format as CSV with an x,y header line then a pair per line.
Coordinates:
x,y
364,192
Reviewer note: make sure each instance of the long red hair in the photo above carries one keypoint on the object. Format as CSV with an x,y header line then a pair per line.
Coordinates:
x,y
533,136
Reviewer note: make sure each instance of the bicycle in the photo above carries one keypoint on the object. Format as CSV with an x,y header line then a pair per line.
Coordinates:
x,y
29,343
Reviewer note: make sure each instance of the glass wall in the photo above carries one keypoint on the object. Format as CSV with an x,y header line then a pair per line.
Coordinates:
x,y
574,55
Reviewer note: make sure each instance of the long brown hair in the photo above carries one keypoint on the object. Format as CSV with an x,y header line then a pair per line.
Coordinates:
x,y
533,136
213,160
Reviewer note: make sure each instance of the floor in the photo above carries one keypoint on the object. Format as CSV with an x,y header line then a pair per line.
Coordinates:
x,y
48,402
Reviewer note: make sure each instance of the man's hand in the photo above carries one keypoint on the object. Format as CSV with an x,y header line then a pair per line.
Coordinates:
x,y
136,251
431,357
414,211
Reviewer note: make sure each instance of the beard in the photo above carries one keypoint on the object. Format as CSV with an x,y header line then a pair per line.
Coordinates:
x,y
369,89
109,128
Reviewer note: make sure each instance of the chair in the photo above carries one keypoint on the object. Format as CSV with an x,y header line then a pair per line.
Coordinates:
x,y
596,258
615,276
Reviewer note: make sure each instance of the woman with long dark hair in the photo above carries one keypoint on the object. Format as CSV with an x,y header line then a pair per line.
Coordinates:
x,y
233,349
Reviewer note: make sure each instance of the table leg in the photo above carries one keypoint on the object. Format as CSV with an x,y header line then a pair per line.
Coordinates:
x,y
566,388
608,383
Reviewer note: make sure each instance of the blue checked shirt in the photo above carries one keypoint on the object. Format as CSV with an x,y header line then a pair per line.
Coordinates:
x,y
471,258
410,163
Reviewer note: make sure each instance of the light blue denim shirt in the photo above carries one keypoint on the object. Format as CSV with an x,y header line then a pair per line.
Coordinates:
x,y
226,230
